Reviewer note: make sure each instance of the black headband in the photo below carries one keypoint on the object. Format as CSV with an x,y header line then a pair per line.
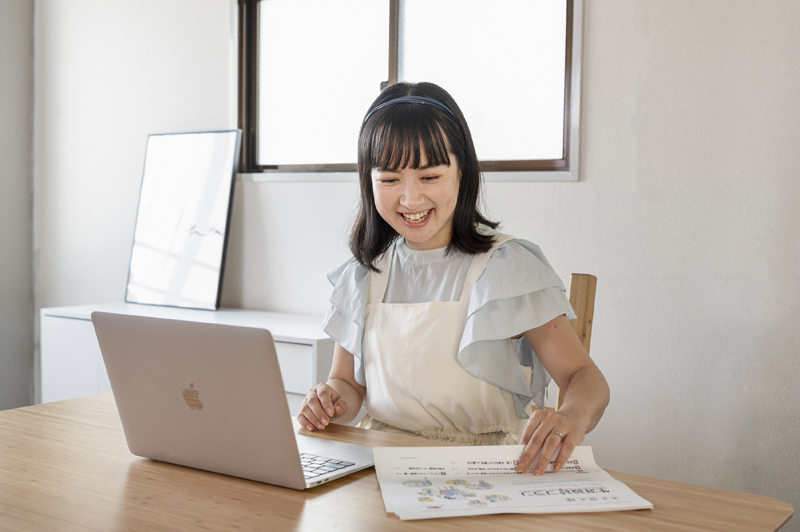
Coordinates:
x,y
412,99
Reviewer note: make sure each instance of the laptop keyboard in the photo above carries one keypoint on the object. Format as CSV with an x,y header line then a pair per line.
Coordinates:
x,y
314,466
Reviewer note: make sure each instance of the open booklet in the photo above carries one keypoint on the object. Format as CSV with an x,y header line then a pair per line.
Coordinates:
x,y
428,482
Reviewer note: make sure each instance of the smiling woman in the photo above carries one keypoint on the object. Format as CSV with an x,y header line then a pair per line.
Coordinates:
x,y
415,153
429,314
418,202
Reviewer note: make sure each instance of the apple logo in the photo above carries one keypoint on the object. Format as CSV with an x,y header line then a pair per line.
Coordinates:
x,y
192,397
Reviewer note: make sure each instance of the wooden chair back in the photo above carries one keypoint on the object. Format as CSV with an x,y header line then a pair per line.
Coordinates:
x,y
582,288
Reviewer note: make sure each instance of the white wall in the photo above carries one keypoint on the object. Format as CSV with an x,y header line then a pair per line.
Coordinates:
x,y
688,212
687,209
107,75
16,204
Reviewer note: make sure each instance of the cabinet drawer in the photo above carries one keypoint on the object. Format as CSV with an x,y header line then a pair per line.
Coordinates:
x,y
297,366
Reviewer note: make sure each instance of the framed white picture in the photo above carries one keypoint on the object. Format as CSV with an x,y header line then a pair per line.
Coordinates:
x,y
182,223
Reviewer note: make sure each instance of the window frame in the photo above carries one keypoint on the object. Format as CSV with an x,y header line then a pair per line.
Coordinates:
x,y
562,169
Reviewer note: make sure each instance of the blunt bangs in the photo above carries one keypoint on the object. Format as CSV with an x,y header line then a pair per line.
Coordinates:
x,y
398,137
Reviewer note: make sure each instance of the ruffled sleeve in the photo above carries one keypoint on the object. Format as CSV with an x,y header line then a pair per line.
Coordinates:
x,y
344,321
517,291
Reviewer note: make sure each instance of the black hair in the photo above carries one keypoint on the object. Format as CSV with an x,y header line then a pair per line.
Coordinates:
x,y
394,137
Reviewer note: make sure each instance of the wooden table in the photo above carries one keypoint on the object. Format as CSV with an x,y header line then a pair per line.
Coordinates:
x,y
65,466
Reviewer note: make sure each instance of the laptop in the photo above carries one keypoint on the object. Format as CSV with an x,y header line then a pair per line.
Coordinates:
x,y
211,397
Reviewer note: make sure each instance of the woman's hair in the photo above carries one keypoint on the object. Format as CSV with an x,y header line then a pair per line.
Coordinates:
x,y
394,137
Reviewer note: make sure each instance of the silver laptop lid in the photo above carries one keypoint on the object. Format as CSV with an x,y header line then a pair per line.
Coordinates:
x,y
202,395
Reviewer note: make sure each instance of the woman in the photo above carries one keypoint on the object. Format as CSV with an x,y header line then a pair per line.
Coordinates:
x,y
447,328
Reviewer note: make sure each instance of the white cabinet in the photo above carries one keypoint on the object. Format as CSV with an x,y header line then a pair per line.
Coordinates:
x,y
71,362
72,366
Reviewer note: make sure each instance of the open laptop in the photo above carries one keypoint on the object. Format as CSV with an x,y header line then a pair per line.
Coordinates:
x,y
211,397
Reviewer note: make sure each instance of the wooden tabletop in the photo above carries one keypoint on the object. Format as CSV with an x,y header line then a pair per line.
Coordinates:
x,y
65,466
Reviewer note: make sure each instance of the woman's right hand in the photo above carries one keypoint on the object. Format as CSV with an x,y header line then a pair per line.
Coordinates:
x,y
321,406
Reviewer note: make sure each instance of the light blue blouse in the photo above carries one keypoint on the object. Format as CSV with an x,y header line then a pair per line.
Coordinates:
x,y
517,291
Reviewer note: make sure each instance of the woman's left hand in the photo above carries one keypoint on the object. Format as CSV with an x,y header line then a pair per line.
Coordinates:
x,y
542,434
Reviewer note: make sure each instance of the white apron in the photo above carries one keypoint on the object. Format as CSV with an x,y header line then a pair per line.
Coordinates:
x,y
414,382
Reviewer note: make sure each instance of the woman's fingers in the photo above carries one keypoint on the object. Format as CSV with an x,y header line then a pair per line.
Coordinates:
x,y
533,438
551,442
320,419
339,408
305,422
567,446
306,416
318,407
544,433
325,395
531,426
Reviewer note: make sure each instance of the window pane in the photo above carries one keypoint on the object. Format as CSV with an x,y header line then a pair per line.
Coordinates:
x,y
515,108
321,64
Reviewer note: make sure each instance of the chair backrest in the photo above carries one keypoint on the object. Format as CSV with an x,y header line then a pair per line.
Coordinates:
x,y
582,288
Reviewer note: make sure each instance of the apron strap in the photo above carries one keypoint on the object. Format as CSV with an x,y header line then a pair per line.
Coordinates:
x,y
379,281
478,264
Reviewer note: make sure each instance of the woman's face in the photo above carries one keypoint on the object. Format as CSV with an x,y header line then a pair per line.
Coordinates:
x,y
419,203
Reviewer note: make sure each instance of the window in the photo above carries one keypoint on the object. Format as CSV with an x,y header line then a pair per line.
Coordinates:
x,y
310,68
